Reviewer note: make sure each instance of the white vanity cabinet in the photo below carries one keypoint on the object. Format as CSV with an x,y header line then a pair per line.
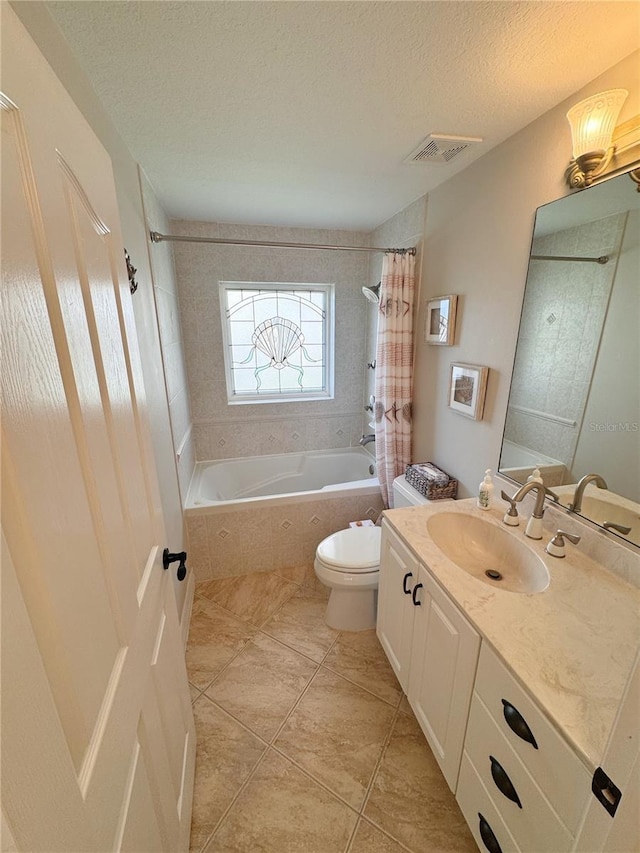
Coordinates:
x,y
396,611
521,787
432,648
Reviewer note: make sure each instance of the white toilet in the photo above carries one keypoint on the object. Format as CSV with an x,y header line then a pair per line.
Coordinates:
x,y
348,562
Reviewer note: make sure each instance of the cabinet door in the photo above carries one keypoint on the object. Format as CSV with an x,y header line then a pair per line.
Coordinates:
x,y
398,576
444,655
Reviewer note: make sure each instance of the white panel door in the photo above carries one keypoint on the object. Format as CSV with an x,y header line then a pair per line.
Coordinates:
x,y
97,730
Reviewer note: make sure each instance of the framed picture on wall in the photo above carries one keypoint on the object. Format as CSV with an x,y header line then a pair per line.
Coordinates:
x,y
440,326
467,389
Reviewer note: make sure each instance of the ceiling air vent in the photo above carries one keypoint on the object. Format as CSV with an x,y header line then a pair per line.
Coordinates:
x,y
438,148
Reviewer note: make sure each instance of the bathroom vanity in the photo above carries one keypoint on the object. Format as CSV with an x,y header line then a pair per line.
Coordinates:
x,y
516,692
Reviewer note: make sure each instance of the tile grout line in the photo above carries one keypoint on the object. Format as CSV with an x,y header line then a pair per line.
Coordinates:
x,y
374,775
225,813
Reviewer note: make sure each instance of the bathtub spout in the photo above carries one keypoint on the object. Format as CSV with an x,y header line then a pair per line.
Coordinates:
x,y
367,439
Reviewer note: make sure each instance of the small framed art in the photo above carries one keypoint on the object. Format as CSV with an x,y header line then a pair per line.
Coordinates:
x,y
467,389
440,327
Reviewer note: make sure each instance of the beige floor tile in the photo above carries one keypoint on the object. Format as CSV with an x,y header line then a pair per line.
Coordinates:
x,y
336,733
300,624
360,657
295,574
405,707
410,799
215,636
225,755
252,597
370,839
283,811
262,684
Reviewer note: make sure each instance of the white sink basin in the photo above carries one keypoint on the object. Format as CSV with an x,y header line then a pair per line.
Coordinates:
x,y
478,547
599,510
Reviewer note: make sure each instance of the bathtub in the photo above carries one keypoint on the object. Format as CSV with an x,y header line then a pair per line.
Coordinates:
x,y
287,477
270,512
519,463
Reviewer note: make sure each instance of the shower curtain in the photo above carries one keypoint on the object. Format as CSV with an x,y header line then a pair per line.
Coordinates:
x,y
394,356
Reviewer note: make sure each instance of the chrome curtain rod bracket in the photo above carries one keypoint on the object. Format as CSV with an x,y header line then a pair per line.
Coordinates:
x,y
156,237
603,259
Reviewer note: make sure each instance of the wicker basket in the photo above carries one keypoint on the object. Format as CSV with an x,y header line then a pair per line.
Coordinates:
x,y
438,486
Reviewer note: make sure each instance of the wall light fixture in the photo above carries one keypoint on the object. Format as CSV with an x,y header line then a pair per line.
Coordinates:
x,y
593,122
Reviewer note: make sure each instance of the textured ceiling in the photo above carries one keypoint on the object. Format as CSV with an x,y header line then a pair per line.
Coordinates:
x,y
301,113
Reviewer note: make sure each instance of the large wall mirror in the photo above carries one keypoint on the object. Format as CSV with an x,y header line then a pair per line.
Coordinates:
x,y
574,404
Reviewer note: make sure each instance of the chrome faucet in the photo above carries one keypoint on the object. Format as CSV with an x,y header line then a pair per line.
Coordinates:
x,y
534,525
576,506
367,439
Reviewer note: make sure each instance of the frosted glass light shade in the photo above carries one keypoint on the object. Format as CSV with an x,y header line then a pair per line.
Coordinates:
x,y
593,121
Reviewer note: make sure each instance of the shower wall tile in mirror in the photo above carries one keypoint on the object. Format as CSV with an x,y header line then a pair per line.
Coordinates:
x,y
222,431
562,319
574,405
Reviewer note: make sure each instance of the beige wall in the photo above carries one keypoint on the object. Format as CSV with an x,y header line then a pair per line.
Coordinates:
x,y
609,439
222,431
477,239
168,313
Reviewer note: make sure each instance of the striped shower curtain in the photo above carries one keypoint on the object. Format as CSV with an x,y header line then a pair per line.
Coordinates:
x,y
394,356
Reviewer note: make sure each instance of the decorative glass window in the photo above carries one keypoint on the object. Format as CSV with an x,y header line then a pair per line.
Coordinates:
x,y
278,341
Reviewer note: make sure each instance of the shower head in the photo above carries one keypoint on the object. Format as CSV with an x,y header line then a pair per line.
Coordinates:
x,y
373,293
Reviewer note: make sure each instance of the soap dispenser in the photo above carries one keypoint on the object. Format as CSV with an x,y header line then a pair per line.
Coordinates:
x,y
485,491
535,477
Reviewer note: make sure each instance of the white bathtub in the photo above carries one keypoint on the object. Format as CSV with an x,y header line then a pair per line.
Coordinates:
x,y
270,512
519,463
285,478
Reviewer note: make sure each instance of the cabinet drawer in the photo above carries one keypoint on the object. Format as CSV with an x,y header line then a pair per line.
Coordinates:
x,y
564,779
528,815
476,805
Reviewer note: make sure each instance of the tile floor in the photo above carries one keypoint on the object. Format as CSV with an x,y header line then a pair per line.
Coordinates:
x,y
305,741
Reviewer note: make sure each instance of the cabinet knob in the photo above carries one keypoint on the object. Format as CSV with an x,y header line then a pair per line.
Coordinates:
x,y
517,723
488,838
415,591
404,583
503,783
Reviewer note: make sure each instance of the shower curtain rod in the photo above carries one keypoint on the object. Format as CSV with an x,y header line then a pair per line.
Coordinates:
x,y
156,237
603,259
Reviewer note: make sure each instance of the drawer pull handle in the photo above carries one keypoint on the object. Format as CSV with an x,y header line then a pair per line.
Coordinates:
x,y
517,723
413,597
404,583
503,783
489,839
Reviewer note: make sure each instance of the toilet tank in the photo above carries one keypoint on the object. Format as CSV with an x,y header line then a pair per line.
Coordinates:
x,y
405,495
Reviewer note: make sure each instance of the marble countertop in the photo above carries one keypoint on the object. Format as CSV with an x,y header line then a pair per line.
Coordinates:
x,y
572,646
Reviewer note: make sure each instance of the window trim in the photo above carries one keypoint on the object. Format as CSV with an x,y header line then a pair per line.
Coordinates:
x,y
247,398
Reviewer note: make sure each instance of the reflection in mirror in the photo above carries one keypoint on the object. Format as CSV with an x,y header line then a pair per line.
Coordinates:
x,y
574,404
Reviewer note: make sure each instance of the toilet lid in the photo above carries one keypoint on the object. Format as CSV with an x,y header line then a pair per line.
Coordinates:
x,y
355,548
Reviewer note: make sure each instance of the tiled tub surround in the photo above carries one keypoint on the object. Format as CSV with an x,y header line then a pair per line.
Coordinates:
x,y
222,431
562,318
261,535
304,740
572,645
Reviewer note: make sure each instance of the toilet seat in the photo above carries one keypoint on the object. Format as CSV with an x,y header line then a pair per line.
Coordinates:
x,y
352,551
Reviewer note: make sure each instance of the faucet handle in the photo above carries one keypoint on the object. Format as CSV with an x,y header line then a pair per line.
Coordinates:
x,y
511,515
556,546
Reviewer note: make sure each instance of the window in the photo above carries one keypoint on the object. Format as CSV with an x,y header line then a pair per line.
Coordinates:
x,y
278,341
